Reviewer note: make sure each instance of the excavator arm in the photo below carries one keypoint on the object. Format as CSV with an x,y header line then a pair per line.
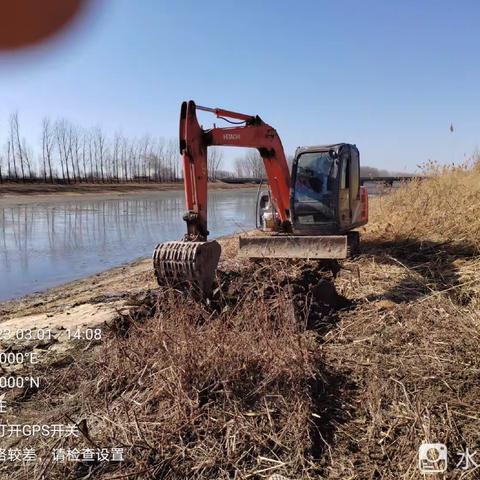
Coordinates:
x,y
252,132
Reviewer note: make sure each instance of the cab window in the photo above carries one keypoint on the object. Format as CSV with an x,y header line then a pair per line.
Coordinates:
x,y
316,174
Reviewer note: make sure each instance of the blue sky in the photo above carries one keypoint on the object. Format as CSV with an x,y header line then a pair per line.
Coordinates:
x,y
388,76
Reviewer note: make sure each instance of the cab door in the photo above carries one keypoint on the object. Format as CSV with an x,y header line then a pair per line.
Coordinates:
x,y
354,178
344,209
354,186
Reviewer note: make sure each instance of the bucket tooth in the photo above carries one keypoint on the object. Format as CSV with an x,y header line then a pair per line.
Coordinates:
x,y
192,262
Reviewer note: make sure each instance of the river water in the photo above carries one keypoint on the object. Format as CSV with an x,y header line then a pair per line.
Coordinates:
x,y
55,241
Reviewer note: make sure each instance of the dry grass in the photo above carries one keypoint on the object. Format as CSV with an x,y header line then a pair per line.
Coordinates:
x,y
279,374
442,209
411,347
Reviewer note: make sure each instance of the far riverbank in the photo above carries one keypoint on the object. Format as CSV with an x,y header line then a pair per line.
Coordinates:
x,y
13,193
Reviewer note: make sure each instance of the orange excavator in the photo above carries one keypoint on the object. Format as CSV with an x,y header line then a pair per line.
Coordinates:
x,y
308,213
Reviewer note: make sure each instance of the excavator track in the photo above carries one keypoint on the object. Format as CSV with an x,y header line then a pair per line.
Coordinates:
x,y
193,262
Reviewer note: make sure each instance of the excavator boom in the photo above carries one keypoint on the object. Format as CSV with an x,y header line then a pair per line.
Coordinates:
x,y
194,142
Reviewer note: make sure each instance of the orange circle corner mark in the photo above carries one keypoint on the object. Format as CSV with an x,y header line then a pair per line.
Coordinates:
x,y
28,22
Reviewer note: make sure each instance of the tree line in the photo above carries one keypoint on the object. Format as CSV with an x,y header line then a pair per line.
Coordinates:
x,y
67,153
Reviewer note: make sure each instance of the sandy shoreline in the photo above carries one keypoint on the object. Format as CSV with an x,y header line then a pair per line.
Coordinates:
x,y
109,287
105,287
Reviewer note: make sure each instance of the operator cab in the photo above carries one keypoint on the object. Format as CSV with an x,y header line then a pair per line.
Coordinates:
x,y
326,197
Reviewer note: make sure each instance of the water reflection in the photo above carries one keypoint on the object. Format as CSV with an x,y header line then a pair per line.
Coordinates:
x,y
49,243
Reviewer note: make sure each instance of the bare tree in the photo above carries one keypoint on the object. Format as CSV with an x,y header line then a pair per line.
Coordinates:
x,y
99,148
132,159
123,158
240,167
214,162
16,145
172,162
75,150
90,149
47,148
144,147
255,164
26,156
61,137
117,142
250,165
83,152
156,160
11,161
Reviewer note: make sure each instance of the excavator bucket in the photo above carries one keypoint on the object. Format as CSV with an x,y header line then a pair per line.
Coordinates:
x,y
192,262
294,246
